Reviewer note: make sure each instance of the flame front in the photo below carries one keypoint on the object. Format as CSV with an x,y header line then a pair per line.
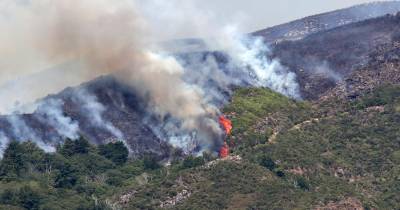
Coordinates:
x,y
226,124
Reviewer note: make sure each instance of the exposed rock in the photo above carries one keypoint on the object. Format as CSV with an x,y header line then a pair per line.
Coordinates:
x,y
181,196
347,204
301,28
236,159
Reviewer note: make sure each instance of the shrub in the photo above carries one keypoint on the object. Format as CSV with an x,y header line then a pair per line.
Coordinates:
x,y
116,152
302,183
73,147
191,162
150,162
67,176
13,162
29,198
267,162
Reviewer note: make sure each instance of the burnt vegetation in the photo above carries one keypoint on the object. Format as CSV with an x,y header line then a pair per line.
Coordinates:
x,y
322,59
340,149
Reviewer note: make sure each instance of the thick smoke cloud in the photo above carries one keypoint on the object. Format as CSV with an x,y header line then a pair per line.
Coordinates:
x,y
117,37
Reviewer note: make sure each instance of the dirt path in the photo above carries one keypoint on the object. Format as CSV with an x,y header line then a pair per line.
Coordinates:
x,y
272,138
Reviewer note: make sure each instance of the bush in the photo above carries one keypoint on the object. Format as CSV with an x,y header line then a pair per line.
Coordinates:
x,y
13,162
191,162
280,173
29,198
116,152
71,147
67,176
302,183
150,162
115,178
267,162
8,196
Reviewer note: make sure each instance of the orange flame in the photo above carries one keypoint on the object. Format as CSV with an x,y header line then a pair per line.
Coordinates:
x,y
226,123
224,151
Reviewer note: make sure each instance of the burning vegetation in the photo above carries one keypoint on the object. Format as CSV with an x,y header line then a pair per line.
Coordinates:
x,y
227,127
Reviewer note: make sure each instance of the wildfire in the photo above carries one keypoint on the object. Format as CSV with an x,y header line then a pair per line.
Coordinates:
x,y
227,125
224,151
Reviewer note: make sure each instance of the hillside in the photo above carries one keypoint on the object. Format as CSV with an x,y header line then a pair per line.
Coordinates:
x,y
318,61
286,155
336,148
339,152
301,28
323,59
103,110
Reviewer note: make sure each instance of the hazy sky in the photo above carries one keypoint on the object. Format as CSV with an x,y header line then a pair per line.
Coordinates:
x,y
258,14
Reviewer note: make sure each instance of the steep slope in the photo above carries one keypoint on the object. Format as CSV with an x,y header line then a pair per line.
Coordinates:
x,y
345,160
104,110
318,61
323,59
299,29
339,151
348,159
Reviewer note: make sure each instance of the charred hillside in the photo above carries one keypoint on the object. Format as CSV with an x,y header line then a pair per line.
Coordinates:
x,y
323,59
103,110
301,28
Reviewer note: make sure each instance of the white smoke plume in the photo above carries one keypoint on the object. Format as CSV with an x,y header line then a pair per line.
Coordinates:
x,y
50,112
323,69
247,52
4,140
94,112
23,132
117,37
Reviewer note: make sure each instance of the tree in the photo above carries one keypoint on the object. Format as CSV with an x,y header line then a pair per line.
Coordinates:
x,y
67,176
116,152
9,196
29,199
82,146
191,162
150,162
267,162
68,148
71,147
13,162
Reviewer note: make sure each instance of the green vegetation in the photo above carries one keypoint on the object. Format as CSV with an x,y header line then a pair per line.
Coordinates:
x,y
72,178
294,155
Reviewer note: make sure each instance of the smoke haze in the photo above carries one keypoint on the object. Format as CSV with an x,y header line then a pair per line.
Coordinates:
x,y
86,39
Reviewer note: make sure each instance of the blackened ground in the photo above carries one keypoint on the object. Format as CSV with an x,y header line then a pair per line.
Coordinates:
x,y
323,59
122,109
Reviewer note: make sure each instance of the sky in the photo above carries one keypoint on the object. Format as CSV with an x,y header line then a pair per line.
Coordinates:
x,y
259,14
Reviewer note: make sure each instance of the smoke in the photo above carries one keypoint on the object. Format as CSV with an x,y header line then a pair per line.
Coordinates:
x,y
22,132
118,37
94,112
3,143
324,69
50,112
251,53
